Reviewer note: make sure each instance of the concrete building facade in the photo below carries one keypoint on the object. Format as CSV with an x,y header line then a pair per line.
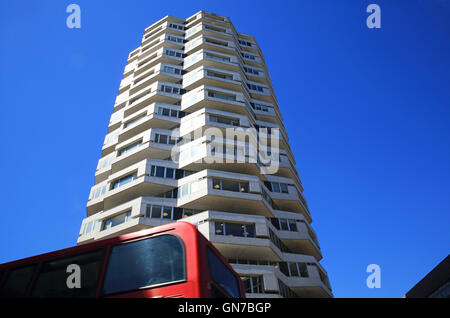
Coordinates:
x,y
170,154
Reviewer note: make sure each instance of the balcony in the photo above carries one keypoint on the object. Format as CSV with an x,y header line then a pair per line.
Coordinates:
x,y
217,98
205,28
206,75
155,93
198,192
162,72
165,27
210,43
207,17
126,185
304,287
162,55
212,59
141,217
151,145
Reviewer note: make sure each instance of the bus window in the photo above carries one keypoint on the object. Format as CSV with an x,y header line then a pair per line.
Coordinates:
x,y
153,261
17,281
222,276
53,276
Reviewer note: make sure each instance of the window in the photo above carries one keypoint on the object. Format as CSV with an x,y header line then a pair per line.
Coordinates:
x,y
174,39
251,70
255,87
116,220
170,89
170,173
173,53
52,278
221,96
129,148
293,269
120,182
292,225
222,275
216,42
135,121
253,284
171,112
90,227
218,75
285,224
164,139
176,26
218,57
234,229
153,261
248,56
246,43
172,70
222,120
229,185
276,187
17,281
167,212
261,107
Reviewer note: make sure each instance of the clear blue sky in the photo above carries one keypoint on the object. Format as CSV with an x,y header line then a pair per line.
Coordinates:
x,y
367,112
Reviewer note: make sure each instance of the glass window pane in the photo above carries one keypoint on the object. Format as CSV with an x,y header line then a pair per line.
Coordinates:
x,y
162,139
165,112
284,268
230,185
222,275
303,269
243,187
276,187
219,228
144,263
247,284
177,213
233,229
293,269
250,230
257,285
159,172
167,212
17,282
156,211
292,225
216,184
179,174
284,225
275,223
284,188
169,173
152,171
52,278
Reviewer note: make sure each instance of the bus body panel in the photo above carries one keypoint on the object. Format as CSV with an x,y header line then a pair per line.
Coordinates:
x,y
198,278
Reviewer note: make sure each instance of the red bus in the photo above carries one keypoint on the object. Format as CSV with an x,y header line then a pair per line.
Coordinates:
x,y
172,260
